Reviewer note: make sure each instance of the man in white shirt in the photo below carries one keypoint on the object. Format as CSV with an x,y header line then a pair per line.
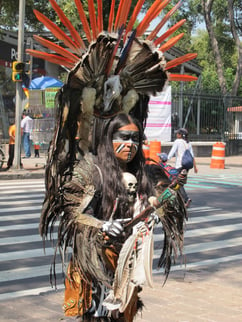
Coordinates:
x,y
27,127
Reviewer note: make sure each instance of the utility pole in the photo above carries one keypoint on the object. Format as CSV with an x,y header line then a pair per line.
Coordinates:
x,y
19,90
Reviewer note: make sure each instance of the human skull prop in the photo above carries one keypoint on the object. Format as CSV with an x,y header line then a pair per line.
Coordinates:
x,y
130,183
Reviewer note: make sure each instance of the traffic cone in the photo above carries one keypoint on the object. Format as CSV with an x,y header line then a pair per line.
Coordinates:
x,y
218,156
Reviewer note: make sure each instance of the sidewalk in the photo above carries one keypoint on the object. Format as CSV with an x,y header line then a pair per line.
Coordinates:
x,y
210,294
34,168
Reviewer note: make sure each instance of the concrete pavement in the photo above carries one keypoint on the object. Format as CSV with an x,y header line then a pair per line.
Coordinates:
x,y
208,294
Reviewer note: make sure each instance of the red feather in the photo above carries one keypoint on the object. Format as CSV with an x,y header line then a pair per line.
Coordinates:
x,y
180,60
134,16
66,22
57,32
150,15
120,8
58,49
171,42
169,32
92,17
51,58
163,21
100,16
111,17
181,78
84,21
125,12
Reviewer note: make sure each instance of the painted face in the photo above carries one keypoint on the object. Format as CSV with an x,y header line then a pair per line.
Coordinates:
x,y
126,142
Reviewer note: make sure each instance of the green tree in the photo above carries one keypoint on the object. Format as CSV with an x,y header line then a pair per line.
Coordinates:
x,y
10,14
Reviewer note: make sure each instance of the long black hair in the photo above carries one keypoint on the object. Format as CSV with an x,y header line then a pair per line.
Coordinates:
x,y
112,186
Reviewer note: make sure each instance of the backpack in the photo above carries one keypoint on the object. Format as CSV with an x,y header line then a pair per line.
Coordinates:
x,y
187,160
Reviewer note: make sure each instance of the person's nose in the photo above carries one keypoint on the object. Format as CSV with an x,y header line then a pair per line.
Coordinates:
x,y
129,145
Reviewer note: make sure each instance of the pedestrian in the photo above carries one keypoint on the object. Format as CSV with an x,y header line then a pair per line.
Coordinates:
x,y
27,127
36,150
11,145
11,133
108,246
180,145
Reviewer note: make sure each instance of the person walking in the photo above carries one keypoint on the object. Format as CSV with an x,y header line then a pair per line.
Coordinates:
x,y
11,145
26,126
180,145
11,133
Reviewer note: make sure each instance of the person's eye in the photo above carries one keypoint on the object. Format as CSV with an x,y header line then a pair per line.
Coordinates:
x,y
136,137
124,137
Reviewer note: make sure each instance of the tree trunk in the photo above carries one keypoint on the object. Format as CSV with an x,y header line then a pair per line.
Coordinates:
x,y
237,78
207,7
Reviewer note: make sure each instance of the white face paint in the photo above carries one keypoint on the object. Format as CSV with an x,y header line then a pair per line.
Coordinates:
x,y
130,183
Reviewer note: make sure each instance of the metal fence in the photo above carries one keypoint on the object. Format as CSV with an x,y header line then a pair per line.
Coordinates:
x,y
207,117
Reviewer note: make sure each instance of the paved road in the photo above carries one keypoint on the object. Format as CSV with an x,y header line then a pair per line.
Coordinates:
x,y
213,233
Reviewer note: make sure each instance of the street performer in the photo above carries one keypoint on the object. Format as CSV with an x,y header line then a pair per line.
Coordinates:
x,y
99,191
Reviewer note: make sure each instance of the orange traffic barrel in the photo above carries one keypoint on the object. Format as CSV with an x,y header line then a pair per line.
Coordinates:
x,y
155,149
218,156
146,151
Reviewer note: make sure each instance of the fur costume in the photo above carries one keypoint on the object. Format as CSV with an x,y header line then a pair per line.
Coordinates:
x,y
111,75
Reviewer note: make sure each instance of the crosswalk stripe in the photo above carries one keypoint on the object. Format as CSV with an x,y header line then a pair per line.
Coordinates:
x,y
213,230
19,227
19,191
208,246
20,216
27,272
23,202
6,210
21,239
206,262
23,183
190,185
6,188
35,291
28,253
23,197
221,216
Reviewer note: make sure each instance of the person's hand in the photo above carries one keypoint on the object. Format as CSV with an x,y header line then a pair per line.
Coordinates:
x,y
114,228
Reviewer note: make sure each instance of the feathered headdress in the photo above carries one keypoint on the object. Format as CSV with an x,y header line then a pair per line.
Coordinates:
x,y
110,71
113,70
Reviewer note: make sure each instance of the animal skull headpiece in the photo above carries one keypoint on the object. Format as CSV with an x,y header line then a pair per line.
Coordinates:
x,y
131,184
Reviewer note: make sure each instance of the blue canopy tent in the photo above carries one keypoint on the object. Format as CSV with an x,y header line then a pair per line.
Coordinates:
x,y
42,92
44,82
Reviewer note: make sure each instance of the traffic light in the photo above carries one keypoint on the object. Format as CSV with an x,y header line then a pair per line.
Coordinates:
x,y
18,71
